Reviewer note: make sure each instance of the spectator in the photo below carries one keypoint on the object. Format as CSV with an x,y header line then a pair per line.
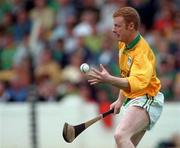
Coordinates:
x,y
47,91
94,38
167,73
86,92
176,87
7,22
23,25
65,10
59,53
107,9
23,50
173,142
4,97
81,45
71,72
16,91
42,14
164,18
107,56
7,54
47,66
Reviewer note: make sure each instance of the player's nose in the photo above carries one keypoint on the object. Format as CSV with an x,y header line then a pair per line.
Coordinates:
x,y
113,30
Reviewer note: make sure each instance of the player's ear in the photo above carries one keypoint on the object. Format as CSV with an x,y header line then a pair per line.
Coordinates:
x,y
131,26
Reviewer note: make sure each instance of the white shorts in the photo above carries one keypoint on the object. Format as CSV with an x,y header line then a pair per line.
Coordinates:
x,y
153,106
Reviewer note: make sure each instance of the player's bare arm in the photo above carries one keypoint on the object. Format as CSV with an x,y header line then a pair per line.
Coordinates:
x,y
118,103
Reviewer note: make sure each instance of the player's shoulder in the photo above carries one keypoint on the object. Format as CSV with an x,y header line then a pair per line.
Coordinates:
x,y
143,45
144,42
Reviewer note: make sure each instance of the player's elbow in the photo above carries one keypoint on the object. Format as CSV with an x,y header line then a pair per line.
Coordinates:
x,y
137,83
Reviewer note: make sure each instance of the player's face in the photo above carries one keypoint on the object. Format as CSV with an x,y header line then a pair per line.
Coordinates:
x,y
120,29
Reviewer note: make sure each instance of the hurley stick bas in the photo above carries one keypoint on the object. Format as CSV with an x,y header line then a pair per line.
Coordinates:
x,y
70,132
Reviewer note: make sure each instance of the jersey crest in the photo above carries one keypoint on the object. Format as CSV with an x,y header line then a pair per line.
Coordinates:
x,y
129,61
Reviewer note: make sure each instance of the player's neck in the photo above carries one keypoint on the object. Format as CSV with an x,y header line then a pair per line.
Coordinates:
x,y
132,37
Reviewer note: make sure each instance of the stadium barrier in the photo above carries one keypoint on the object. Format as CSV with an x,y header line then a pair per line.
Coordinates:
x,y
16,125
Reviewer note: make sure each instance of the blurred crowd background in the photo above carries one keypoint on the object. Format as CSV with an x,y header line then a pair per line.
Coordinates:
x,y
43,43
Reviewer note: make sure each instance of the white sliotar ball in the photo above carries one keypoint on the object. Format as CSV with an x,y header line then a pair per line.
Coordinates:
x,y
84,67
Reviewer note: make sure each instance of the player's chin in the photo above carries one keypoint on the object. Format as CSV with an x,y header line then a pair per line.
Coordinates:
x,y
118,37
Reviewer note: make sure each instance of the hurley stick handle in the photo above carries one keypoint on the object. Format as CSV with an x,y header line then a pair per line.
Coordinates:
x,y
108,112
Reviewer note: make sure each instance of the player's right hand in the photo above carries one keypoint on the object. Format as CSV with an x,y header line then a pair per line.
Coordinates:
x,y
117,106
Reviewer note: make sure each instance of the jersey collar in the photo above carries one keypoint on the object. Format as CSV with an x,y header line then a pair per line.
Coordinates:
x,y
134,42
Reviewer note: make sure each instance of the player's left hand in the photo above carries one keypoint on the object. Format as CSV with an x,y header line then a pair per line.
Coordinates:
x,y
99,76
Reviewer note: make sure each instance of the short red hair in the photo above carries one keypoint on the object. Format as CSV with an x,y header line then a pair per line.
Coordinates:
x,y
130,15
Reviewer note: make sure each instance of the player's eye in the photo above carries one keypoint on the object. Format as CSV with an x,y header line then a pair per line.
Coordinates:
x,y
117,26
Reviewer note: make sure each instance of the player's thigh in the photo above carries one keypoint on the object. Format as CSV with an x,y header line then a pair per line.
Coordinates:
x,y
133,121
137,137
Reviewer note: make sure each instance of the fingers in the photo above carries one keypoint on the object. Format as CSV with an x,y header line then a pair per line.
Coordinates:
x,y
95,76
93,81
116,108
102,67
113,106
96,71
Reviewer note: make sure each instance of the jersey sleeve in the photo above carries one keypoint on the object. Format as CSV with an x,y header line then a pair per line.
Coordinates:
x,y
141,72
